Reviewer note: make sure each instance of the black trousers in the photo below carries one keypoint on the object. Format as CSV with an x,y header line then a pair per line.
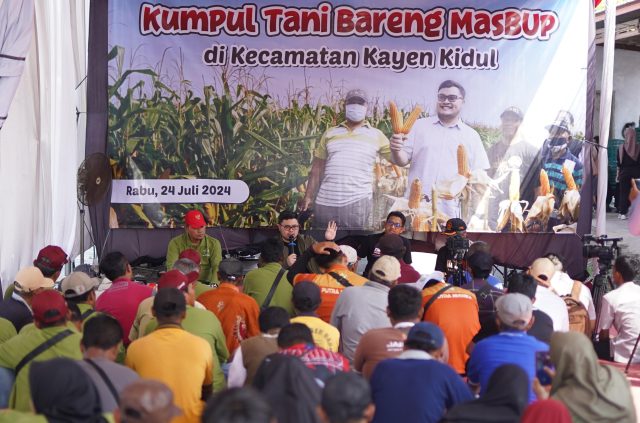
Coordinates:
x,y
626,175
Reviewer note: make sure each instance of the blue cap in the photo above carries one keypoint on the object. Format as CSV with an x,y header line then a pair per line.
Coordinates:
x,y
427,334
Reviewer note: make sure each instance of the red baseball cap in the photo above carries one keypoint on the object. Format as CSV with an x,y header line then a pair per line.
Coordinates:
x,y
194,219
174,279
51,259
49,306
190,254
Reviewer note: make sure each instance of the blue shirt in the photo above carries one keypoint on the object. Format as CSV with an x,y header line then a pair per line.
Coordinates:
x,y
491,280
415,390
504,348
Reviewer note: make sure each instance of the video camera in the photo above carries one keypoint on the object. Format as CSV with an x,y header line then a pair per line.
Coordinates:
x,y
593,246
457,247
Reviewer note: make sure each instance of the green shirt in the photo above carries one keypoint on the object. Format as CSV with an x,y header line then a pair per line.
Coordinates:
x,y
8,292
257,284
206,325
16,348
210,255
7,330
201,288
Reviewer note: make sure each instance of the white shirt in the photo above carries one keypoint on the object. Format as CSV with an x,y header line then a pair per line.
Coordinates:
x,y
432,149
554,306
562,284
621,309
414,355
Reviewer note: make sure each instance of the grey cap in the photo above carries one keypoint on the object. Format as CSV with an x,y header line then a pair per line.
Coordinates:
x,y
357,94
78,283
147,401
514,310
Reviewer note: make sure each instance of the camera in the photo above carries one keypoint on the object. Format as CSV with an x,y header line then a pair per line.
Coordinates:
x,y
593,246
457,246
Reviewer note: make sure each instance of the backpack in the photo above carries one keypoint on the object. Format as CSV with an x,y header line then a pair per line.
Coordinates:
x,y
578,315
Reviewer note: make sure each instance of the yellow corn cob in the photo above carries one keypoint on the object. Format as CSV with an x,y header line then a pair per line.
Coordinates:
x,y
463,165
514,186
415,114
211,210
396,118
397,170
545,188
415,194
434,202
568,179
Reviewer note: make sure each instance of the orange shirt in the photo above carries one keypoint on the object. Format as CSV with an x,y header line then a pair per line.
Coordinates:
x,y
456,312
237,312
330,288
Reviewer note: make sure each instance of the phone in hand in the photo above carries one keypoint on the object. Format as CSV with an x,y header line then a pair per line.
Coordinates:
x,y
543,359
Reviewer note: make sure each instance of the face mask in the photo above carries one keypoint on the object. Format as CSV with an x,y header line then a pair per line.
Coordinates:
x,y
355,112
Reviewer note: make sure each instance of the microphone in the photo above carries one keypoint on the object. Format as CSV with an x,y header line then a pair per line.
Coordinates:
x,y
292,245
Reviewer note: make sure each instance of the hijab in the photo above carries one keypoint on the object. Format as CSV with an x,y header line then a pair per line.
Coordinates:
x,y
630,145
592,392
63,392
504,401
547,411
289,386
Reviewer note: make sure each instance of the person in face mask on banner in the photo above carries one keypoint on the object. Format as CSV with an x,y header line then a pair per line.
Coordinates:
x,y
557,153
340,185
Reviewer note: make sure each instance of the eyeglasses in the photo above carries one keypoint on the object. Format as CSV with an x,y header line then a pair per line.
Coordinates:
x,y
290,227
450,98
394,225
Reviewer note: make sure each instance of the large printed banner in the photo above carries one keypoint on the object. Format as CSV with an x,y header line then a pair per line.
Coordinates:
x,y
345,112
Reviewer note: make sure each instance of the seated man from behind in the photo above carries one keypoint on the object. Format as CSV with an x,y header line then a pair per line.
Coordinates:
x,y
195,237
346,398
306,300
481,264
80,289
124,296
335,277
237,312
28,283
543,270
415,387
511,346
146,401
101,339
252,351
50,261
296,340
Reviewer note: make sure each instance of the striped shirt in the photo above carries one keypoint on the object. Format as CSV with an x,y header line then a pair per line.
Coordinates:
x,y
350,157
556,178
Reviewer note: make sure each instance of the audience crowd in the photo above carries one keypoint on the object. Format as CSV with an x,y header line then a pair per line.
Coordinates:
x,y
306,338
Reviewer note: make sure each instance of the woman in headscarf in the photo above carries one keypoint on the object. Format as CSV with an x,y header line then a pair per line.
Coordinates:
x,y
547,411
592,392
63,393
628,166
504,401
289,386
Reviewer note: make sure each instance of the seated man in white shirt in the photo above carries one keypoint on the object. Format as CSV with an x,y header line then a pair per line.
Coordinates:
x,y
542,270
562,284
620,309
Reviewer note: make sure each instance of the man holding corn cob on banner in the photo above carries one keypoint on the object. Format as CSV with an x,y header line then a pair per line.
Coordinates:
x,y
340,183
431,148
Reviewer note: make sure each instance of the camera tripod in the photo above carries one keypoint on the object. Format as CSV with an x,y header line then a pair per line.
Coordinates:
x,y
602,284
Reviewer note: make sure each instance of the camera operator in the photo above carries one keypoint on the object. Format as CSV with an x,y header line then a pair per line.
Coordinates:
x,y
449,258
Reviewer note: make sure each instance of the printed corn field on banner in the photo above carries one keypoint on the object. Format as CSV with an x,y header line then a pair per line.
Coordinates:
x,y
347,112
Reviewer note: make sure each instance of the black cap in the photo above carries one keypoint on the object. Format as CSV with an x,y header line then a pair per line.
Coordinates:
x,y
306,296
231,268
454,226
169,302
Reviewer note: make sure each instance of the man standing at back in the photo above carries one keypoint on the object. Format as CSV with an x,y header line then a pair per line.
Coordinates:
x,y
432,145
121,300
173,356
195,237
51,338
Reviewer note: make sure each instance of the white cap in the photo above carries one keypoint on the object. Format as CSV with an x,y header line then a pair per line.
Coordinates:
x,y
350,253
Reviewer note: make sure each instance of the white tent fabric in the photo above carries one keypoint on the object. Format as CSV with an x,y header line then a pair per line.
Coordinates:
x,y
16,27
42,141
606,92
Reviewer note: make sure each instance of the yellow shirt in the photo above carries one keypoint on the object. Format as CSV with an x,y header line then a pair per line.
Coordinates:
x,y
324,335
179,359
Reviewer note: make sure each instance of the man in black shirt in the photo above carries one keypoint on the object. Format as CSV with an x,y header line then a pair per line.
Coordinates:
x,y
17,309
369,246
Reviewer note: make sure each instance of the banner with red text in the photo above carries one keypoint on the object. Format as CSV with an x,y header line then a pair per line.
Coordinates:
x,y
348,110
